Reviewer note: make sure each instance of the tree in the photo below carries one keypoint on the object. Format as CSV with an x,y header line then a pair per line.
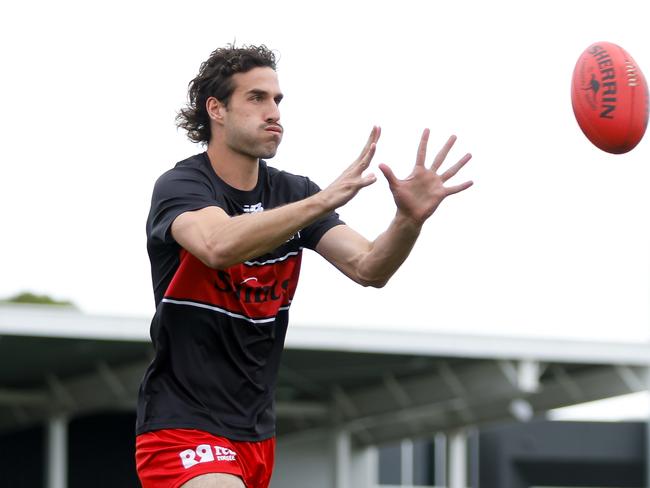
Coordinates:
x,y
28,297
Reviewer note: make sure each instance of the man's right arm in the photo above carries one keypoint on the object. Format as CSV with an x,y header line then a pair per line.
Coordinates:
x,y
221,241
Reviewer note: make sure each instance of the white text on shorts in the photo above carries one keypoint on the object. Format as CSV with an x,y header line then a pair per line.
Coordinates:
x,y
205,454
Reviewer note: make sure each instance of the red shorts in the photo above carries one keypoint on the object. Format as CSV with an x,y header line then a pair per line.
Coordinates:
x,y
170,457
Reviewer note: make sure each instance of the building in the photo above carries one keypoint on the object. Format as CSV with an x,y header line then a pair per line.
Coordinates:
x,y
68,383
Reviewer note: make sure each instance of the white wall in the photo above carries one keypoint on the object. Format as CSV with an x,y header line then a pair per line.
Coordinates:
x,y
305,460
309,460
363,467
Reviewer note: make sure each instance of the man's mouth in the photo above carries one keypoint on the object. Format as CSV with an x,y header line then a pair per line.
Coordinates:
x,y
274,128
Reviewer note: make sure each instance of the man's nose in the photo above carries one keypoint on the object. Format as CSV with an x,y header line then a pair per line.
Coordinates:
x,y
273,114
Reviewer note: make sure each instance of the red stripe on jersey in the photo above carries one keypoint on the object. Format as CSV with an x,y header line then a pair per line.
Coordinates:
x,y
253,291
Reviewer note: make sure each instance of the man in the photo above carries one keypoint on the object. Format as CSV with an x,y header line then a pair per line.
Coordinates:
x,y
225,235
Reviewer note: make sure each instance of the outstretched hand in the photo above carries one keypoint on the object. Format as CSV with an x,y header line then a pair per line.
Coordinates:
x,y
348,184
418,195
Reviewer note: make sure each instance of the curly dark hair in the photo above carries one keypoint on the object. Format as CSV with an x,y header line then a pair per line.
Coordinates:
x,y
215,80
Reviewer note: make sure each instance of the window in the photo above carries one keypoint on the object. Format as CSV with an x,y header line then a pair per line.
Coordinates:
x,y
390,464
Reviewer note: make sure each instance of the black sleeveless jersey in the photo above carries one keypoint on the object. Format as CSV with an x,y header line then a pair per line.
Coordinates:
x,y
218,334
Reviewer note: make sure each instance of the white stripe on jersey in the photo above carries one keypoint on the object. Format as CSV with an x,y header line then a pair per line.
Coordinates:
x,y
226,312
271,261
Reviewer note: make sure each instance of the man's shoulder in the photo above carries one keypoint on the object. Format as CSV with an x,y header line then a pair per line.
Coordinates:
x,y
288,187
278,175
188,175
194,165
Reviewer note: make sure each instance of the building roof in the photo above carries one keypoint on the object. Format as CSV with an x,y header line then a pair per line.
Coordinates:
x,y
380,384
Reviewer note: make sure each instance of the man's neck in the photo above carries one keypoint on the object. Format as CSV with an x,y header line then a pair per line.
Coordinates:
x,y
238,170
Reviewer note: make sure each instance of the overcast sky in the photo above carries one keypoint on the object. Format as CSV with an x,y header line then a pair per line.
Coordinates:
x,y
552,240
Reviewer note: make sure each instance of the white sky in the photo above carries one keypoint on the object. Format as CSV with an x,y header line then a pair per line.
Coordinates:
x,y
553,239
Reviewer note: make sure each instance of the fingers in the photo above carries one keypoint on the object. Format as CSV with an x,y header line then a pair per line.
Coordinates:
x,y
458,188
365,160
440,157
372,139
388,173
368,180
422,148
456,167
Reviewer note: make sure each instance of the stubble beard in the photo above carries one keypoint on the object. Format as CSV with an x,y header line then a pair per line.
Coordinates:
x,y
251,146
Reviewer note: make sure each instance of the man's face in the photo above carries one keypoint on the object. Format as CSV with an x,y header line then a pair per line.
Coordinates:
x,y
252,119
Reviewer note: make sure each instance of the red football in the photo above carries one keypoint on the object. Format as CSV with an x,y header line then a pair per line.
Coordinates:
x,y
610,98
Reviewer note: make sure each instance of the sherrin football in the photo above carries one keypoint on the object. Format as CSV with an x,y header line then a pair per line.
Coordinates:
x,y
610,98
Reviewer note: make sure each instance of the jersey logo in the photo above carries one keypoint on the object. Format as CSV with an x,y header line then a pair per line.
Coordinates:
x,y
253,291
203,454
253,208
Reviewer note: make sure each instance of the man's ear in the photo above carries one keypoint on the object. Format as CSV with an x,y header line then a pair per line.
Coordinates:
x,y
215,108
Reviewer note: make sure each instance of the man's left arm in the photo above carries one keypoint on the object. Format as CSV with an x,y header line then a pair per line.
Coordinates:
x,y
416,197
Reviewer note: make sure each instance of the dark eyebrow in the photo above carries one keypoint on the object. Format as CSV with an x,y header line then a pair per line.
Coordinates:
x,y
262,93
257,91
